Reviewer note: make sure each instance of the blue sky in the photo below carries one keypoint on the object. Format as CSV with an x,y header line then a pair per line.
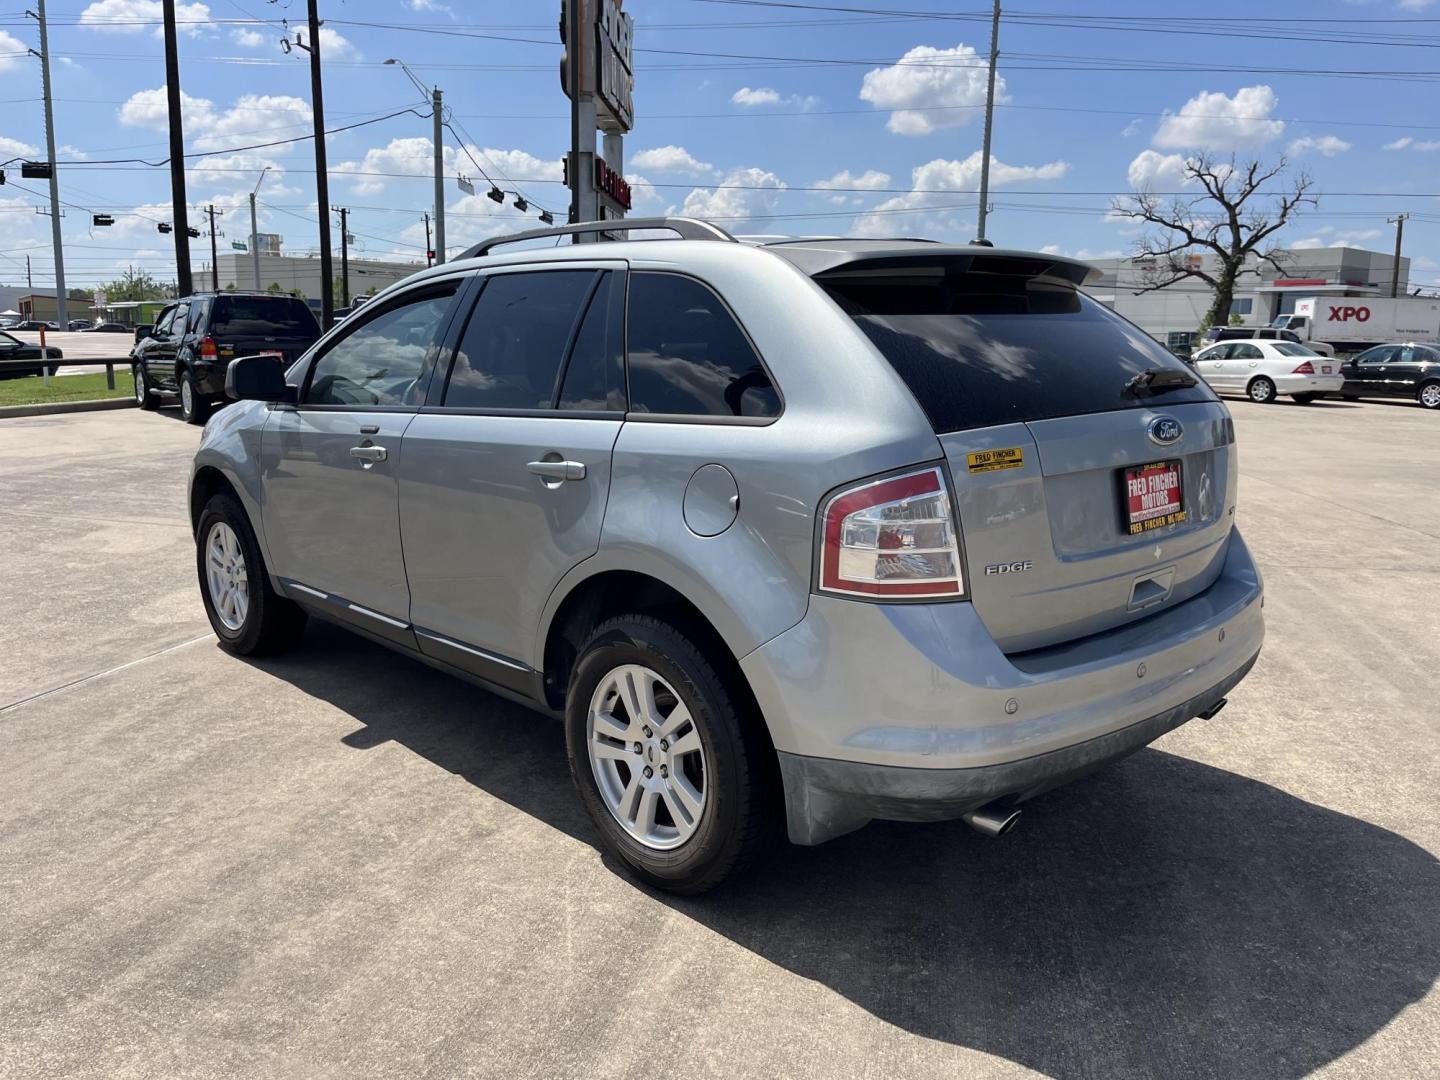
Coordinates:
x,y
1096,96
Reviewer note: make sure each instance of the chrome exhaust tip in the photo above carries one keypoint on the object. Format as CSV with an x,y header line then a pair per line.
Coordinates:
x,y
1213,711
992,819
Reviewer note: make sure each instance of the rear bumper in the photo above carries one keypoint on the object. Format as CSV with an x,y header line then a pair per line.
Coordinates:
x,y
913,712
1309,384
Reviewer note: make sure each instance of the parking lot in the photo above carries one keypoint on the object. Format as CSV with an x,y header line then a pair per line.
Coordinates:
x,y
342,863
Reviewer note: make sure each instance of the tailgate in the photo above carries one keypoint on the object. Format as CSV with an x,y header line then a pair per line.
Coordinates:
x,y
1048,543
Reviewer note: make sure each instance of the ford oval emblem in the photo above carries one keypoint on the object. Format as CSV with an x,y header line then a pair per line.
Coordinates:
x,y
1165,431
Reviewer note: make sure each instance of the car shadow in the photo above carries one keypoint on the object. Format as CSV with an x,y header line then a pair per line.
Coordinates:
x,y
1162,917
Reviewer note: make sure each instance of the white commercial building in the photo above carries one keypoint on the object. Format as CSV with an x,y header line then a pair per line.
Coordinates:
x,y
302,273
1172,315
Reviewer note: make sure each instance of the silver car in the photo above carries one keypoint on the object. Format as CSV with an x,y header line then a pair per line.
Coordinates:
x,y
806,532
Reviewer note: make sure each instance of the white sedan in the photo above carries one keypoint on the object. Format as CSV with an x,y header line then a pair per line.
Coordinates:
x,y
1263,370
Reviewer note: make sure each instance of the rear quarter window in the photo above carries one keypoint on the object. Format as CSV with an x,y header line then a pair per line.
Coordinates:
x,y
978,350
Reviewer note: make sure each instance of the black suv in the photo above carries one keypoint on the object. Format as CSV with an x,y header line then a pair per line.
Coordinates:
x,y
193,341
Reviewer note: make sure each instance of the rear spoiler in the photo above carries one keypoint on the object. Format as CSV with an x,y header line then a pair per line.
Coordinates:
x,y
821,262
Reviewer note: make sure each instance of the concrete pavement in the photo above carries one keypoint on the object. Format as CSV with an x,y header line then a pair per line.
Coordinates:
x,y
342,863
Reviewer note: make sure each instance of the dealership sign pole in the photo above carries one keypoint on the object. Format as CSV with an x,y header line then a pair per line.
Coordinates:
x,y
597,73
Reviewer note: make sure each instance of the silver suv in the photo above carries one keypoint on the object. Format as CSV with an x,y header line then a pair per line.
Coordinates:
x,y
813,531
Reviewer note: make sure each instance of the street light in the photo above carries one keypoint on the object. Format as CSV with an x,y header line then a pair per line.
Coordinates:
x,y
437,115
254,231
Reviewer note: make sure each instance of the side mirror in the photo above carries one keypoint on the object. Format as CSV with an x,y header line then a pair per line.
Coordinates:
x,y
143,331
258,378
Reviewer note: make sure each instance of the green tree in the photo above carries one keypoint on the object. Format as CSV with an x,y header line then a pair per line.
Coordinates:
x,y
137,285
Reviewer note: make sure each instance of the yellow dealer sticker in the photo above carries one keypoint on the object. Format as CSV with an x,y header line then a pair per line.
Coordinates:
x,y
1012,457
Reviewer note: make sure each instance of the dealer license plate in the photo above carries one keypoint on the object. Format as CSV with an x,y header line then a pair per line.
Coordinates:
x,y
1151,497
271,352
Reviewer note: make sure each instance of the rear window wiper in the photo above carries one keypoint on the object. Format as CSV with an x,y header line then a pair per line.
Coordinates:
x,y
1158,381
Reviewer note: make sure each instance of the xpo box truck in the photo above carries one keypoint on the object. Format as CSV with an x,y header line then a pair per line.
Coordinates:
x,y
1354,323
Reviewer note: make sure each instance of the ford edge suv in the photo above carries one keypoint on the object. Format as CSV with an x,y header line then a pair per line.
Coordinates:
x,y
788,533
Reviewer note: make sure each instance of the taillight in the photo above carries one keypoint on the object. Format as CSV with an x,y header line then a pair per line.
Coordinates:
x,y
208,351
892,537
1306,368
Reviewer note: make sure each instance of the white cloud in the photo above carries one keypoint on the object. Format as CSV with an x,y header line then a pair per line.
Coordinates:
x,y
1414,5
428,5
1151,169
255,118
1328,145
334,44
133,16
761,95
416,157
73,152
931,78
9,43
149,109
1132,128
869,180
670,159
756,195
945,183
15,148
250,39
642,191
1307,243
1213,121
1409,142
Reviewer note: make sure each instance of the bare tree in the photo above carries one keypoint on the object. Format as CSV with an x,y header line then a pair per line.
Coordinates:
x,y
1231,217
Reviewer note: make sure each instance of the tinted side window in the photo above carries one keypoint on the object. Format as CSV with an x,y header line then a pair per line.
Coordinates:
x,y
595,375
379,362
176,327
688,356
1379,355
1247,352
510,353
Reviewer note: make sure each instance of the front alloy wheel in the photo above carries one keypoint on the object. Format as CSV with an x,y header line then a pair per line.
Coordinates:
x,y
647,758
226,576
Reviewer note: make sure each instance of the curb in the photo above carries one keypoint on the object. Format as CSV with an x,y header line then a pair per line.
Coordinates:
x,y
48,407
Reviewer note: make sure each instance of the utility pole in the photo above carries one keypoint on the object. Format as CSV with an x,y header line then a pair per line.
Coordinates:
x,y
322,182
1399,222
344,256
181,231
439,179
428,260
574,19
60,312
214,256
30,281
255,231
989,119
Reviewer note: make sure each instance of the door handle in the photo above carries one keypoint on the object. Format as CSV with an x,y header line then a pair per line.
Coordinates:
x,y
369,454
557,470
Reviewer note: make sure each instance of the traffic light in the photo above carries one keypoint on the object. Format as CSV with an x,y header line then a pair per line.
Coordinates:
x,y
163,227
102,219
193,233
429,254
35,170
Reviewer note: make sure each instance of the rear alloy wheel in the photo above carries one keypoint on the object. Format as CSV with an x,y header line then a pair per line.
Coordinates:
x,y
145,396
672,769
1430,395
194,407
1262,391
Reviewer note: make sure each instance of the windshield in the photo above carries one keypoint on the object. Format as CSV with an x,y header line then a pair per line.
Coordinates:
x,y
983,349
263,316
1289,348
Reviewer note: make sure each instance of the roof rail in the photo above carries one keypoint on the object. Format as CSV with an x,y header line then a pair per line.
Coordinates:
x,y
686,228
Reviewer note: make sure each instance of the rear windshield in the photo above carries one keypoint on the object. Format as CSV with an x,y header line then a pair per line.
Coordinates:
x,y
265,316
1289,348
984,349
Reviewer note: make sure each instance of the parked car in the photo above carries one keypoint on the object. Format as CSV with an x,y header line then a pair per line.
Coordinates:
x,y
12,348
108,328
1408,370
35,324
1264,333
823,530
79,324
194,340
1263,370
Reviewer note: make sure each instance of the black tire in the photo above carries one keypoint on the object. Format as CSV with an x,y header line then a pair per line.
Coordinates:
x,y
1429,395
1306,399
1261,391
199,408
272,623
739,821
145,396
1350,397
